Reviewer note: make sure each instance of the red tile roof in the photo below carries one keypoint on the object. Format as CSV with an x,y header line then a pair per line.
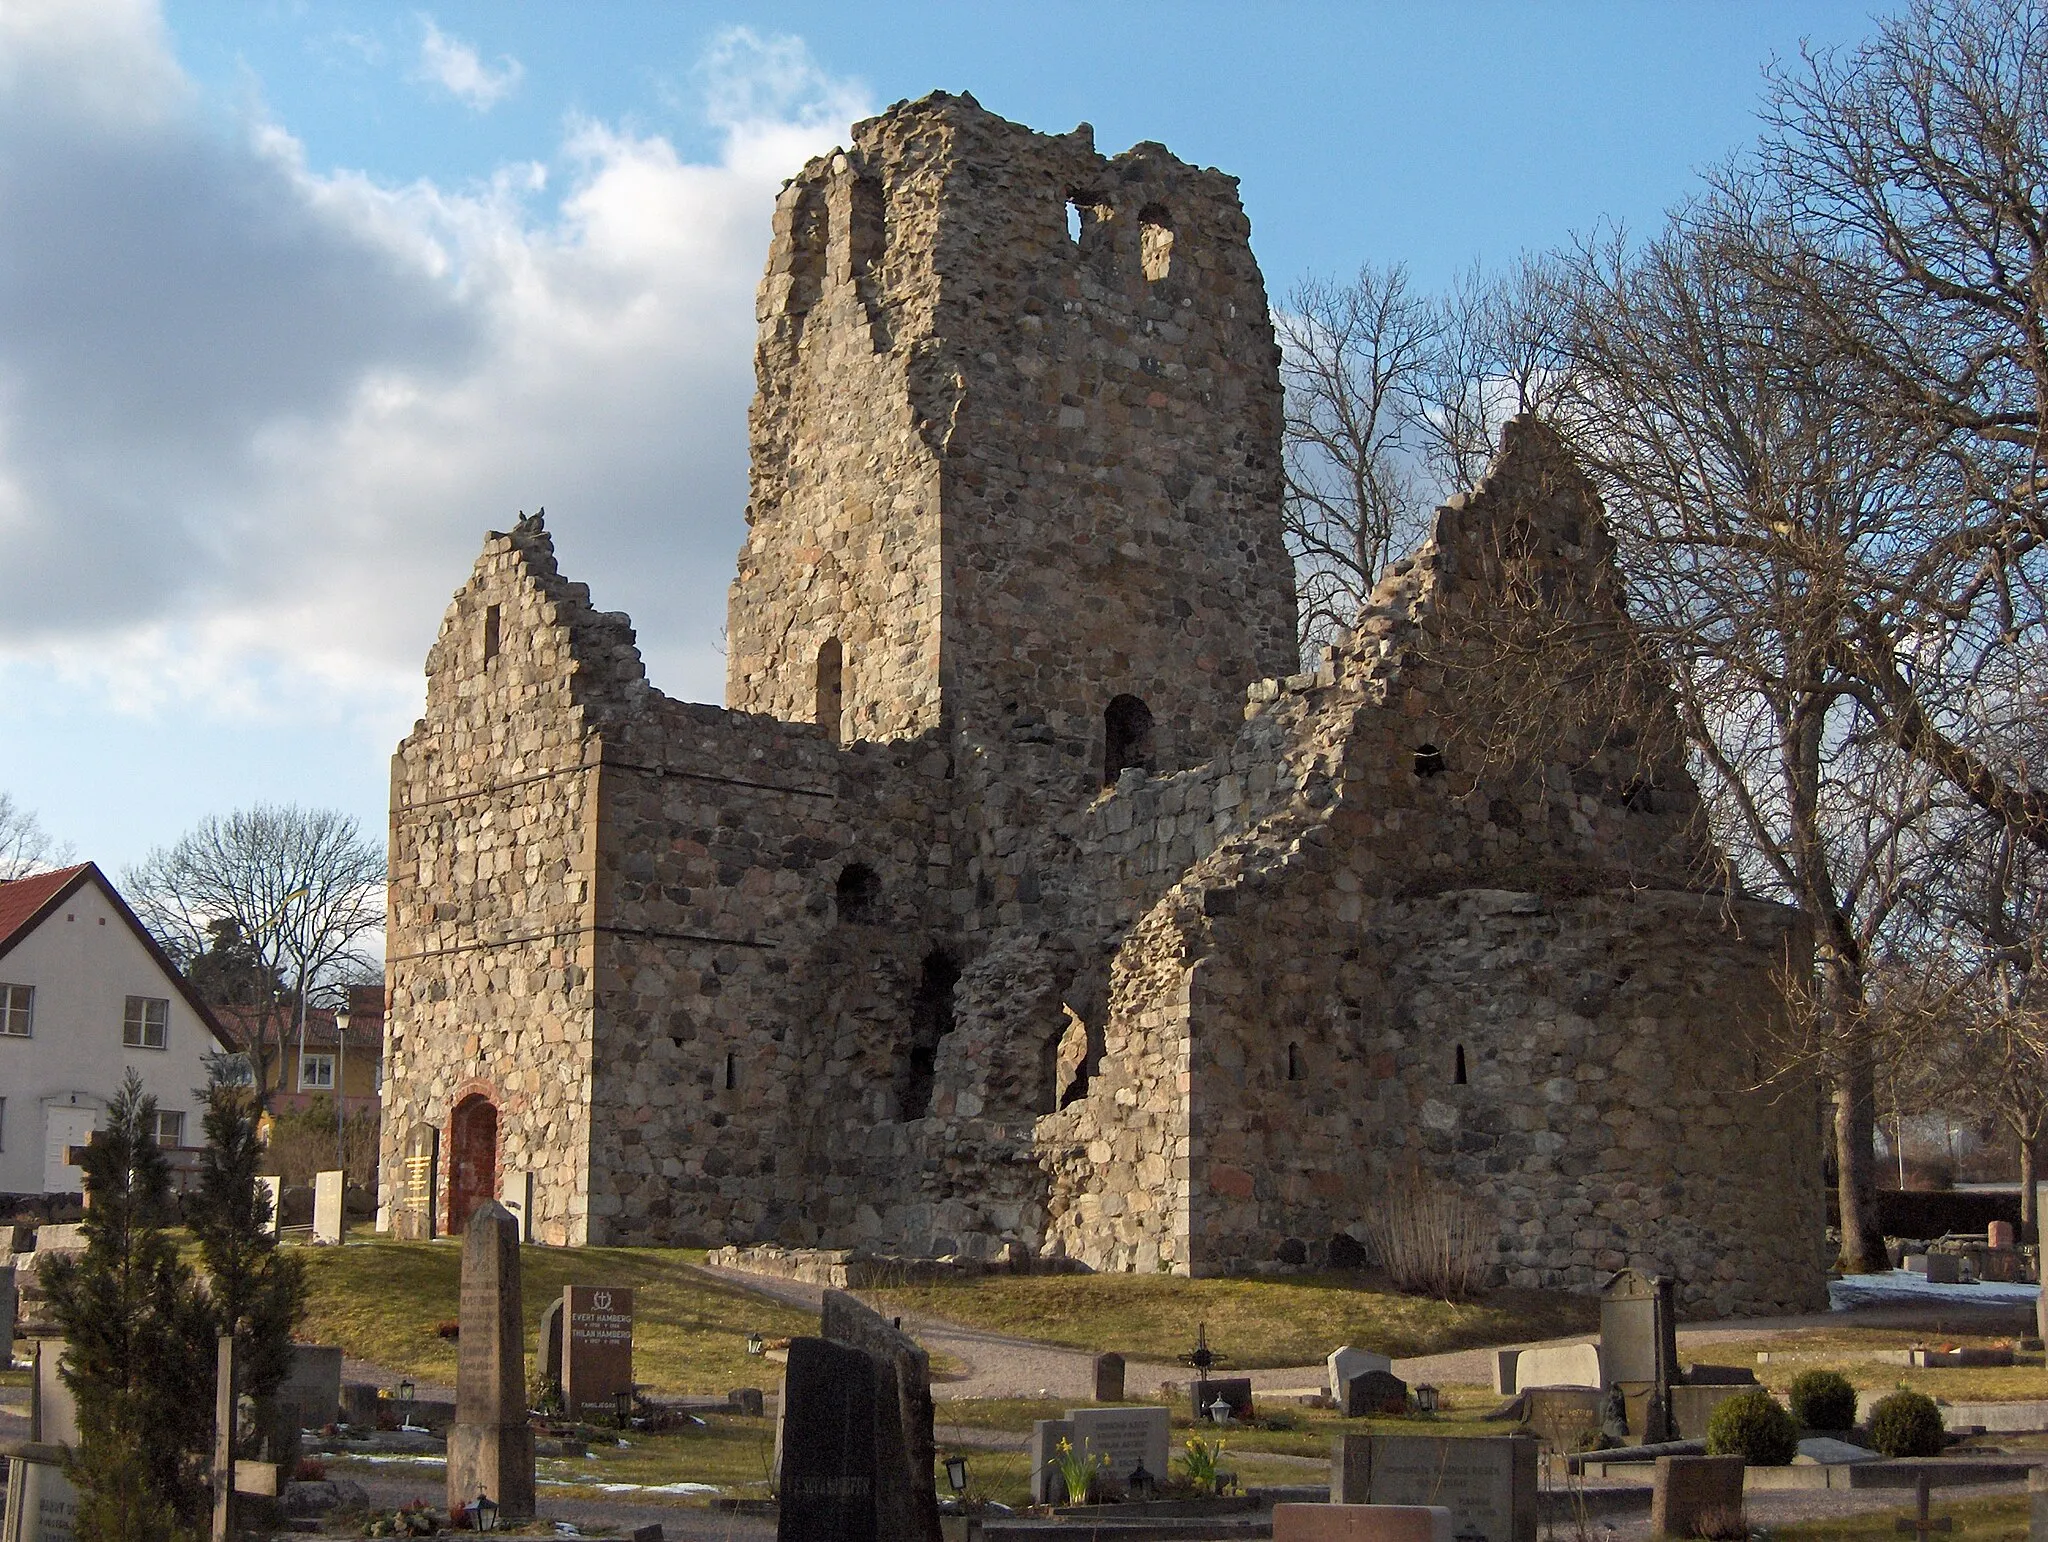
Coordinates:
x,y
23,899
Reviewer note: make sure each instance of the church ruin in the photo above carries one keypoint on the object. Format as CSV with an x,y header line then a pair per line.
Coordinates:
x,y
1025,899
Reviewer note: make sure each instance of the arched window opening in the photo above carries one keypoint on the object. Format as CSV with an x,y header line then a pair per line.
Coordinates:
x,y
1458,1070
732,1070
1126,738
1294,1071
1155,242
1077,1056
473,1147
1073,222
931,1019
1429,760
492,632
831,680
1087,214
858,894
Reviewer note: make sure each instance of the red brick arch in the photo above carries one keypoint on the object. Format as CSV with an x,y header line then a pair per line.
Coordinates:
x,y
473,1152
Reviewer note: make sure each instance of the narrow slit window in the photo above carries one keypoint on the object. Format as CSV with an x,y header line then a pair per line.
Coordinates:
x,y
857,893
732,1070
831,687
1294,1072
1458,1069
1126,738
1155,242
492,625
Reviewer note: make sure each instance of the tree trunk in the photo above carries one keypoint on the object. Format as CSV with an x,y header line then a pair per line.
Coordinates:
x,y
2030,1220
1856,1160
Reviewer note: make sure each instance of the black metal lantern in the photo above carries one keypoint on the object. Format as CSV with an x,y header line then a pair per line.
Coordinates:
x,y
405,1395
622,1405
1142,1484
956,1474
1425,1398
756,1345
483,1515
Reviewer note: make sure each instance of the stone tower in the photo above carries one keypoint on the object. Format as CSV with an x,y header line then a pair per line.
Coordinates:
x,y
1015,452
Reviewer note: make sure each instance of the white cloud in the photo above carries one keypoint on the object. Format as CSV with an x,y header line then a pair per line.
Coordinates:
x,y
254,418
454,66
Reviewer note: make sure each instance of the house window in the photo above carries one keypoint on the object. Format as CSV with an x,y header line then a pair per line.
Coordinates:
x,y
170,1129
316,1073
17,1009
146,1022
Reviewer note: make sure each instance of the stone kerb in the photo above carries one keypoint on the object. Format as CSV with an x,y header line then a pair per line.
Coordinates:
x,y
1361,1523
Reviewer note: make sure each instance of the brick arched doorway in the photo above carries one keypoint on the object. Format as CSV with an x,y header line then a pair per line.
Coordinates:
x,y
472,1159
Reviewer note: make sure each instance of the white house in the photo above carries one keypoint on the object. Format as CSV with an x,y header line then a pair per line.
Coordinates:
x,y
85,993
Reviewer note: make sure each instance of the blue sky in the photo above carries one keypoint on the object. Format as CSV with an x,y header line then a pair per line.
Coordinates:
x,y
298,299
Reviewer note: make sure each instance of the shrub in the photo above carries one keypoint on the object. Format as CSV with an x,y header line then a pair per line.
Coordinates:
x,y
1823,1400
1906,1424
1432,1237
1754,1426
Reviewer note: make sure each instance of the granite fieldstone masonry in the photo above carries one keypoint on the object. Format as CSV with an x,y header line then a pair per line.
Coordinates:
x,y
1029,901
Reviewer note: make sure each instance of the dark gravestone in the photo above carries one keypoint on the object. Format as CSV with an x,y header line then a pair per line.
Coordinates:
x,y
420,1182
1688,1490
906,1503
827,1476
597,1349
547,1353
490,1445
1692,1407
1488,1483
1564,1419
747,1402
1109,1378
1375,1394
1236,1392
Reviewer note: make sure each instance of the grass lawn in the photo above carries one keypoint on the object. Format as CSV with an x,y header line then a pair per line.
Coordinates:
x,y
2003,1518
1271,1320
1834,1349
380,1301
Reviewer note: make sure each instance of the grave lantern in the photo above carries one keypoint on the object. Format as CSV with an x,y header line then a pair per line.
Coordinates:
x,y
756,1345
1425,1398
1219,1411
956,1474
622,1405
1142,1484
484,1513
405,1394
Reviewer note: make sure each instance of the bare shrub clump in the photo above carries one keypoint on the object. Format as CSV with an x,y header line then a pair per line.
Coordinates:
x,y
1431,1237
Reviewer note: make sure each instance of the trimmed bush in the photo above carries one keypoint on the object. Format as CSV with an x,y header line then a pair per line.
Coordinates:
x,y
1754,1426
1823,1400
1906,1424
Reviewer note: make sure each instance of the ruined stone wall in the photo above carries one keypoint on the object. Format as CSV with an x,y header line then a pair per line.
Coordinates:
x,y
490,952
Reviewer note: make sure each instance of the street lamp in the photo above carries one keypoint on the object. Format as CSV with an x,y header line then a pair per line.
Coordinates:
x,y
340,1096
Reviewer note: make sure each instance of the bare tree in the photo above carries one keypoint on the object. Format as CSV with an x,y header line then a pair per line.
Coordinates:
x,y
1906,182
1352,358
1496,356
25,846
303,891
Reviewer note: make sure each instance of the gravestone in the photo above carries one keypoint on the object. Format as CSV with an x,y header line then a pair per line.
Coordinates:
x,y
272,1188
313,1382
832,1401
1109,1378
747,1402
42,1506
516,1195
1639,1342
1047,1487
906,1504
490,1445
361,1402
1125,1438
1692,1407
1362,1523
1564,1418
7,1313
1505,1362
1236,1391
548,1352
1687,1489
1346,1362
1374,1395
1488,1483
328,1222
2037,1494
419,1184
597,1349
52,1408
1562,1365
1999,1236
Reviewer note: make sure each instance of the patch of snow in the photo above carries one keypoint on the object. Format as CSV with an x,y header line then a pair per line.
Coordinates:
x,y
1902,1285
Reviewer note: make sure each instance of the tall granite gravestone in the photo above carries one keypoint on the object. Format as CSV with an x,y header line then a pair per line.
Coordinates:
x,y
273,1190
1639,1341
597,1349
515,1192
1109,1378
827,1472
52,1406
1487,1482
906,1502
547,1353
412,1218
490,1445
329,1223
1047,1486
